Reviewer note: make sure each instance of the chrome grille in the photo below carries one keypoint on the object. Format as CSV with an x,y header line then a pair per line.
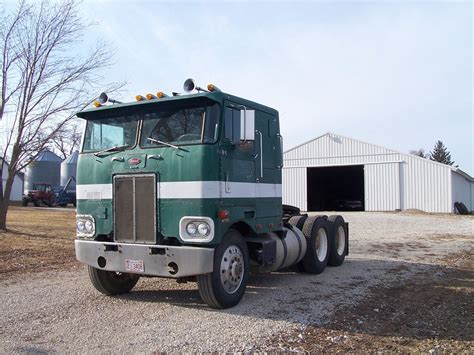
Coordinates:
x,y
135,208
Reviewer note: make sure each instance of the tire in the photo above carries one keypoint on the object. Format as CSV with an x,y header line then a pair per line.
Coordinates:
x,y
52,201
24,202
111,283
37,203
461,208
225,286
338,240
317,238
298,221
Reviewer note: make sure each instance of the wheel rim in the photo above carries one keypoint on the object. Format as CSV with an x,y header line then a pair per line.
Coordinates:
x,y
321,244
340,240
232,269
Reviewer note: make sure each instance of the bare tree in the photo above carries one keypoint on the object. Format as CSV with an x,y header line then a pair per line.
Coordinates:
x,y
45,80
419,152
67,140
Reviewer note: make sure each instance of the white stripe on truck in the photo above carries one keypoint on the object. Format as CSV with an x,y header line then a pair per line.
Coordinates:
x,y
189,189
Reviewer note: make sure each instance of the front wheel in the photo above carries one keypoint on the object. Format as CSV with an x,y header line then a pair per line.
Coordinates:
x,y
110,282
225,286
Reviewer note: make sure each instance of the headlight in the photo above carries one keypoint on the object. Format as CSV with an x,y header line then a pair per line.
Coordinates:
x,y
89,226
196,229
85,226
203,229
191,228
80,226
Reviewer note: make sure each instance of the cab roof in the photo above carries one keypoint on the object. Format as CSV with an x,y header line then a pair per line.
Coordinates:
x,y
129,107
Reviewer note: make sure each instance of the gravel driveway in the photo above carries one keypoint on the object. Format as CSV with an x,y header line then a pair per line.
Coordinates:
x,y
61,312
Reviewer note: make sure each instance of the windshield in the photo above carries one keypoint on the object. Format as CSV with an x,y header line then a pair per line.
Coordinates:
x,y
177,123
118,131
183,124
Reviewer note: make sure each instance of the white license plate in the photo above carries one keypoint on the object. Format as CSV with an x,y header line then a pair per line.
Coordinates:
x,y
135,265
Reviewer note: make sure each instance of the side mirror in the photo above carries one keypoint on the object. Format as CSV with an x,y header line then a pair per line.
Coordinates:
x,y
247,125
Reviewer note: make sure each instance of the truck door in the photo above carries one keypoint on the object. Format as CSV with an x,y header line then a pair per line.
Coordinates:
x,y
237,165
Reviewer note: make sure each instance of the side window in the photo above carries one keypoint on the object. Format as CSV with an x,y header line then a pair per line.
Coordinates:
x,y
232,124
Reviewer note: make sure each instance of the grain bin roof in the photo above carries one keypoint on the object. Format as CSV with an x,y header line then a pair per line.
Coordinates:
x,y
47,155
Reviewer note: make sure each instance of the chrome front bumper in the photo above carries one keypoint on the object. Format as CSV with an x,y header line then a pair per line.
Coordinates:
x,y
158,260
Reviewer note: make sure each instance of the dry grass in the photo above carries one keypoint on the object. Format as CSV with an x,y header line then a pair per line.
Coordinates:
x,y
37,240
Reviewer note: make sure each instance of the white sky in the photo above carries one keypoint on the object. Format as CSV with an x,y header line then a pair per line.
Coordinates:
x,y
394,73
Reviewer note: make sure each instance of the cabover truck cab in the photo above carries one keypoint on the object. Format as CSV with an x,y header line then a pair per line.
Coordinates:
x,y
189,187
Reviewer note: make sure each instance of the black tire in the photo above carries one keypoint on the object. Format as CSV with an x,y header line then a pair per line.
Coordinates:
x,y
461,208
298,221
63,205
37,203
317,238
52,201
24,202
215,288
112,283
338,240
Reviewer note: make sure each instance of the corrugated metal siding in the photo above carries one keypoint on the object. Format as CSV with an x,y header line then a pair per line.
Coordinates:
x,y
382,187
331,150
294,187
462,190
427,185
422,184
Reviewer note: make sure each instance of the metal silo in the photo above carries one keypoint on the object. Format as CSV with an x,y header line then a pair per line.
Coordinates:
x,y
68,169
45,168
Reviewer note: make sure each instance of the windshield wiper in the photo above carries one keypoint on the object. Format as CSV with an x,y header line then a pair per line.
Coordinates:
x,y
120,148
168,144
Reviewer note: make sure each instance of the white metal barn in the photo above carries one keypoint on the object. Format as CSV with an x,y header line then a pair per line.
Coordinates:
x,y
17,188
333,172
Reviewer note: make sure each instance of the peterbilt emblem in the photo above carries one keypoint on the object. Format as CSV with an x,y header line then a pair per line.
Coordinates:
x,y
134,161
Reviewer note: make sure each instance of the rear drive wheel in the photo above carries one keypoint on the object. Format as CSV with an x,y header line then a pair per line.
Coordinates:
x,y
317,253
110,282
338,240
225,286
52,201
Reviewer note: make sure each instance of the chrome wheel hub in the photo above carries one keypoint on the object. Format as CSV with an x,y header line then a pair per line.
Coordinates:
x,y
232,269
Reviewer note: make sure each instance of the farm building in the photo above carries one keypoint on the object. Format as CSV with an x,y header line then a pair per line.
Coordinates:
x,y
18,182
333,172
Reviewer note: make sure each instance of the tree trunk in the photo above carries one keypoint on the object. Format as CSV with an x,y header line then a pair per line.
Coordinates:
x,y
5,199
5,202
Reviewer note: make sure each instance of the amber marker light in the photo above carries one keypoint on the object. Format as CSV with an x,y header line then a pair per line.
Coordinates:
x,y
97,104
139,98
212,87
161,94
150,96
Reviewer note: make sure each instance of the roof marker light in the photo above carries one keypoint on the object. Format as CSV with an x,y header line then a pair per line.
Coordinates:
x,y
161,94
150,96
139,98
97,104
212,87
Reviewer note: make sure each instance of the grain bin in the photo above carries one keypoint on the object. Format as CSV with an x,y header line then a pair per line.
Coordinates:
x,y
45,169
68,169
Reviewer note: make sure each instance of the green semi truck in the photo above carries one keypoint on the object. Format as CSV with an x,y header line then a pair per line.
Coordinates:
x,y
188,186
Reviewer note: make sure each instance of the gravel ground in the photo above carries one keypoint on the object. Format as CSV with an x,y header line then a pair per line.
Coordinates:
x,y
61,312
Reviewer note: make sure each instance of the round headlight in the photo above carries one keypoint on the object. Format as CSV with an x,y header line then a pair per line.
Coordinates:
x,y
203,229
89,226
191,228
80,225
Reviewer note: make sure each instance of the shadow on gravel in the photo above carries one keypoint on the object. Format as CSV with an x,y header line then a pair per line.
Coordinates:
x,y
368,296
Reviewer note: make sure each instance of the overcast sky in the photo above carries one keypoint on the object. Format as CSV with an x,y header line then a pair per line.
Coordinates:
x,y
397,74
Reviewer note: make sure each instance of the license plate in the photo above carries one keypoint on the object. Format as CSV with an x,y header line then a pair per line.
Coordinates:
x,y
135,265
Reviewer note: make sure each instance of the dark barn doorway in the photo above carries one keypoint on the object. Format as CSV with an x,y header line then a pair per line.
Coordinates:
x,y
336,188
